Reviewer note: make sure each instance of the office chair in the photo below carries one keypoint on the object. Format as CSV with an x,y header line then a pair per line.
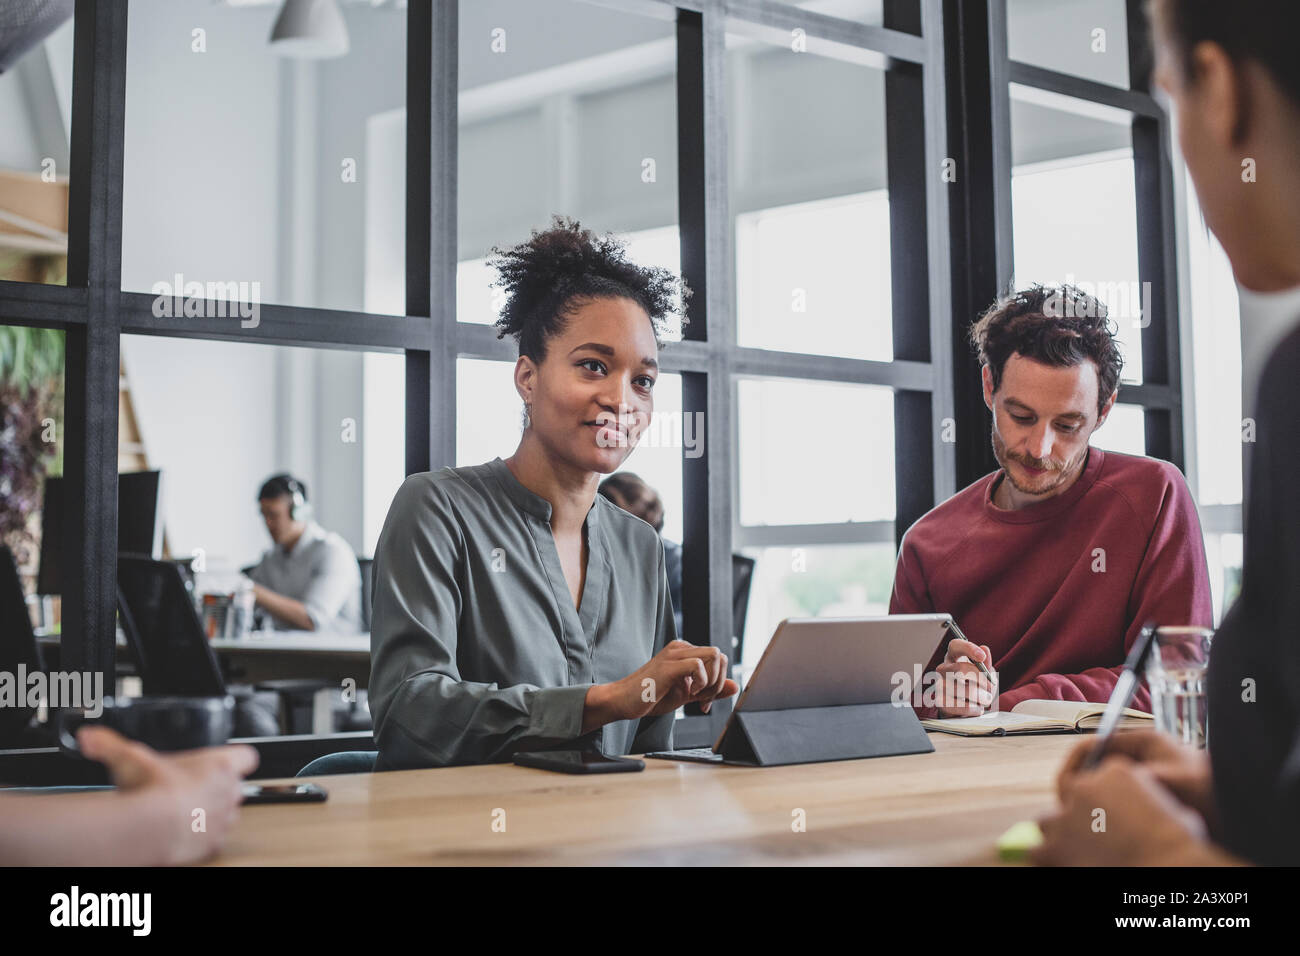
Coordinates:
x,y
347,716
18,646
171,650
367,566
742,576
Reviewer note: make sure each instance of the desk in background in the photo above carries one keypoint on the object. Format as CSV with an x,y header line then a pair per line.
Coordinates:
x,y
273,655
266,655
947,807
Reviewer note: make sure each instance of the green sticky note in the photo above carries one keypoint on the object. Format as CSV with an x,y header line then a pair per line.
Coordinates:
x,y
1015,844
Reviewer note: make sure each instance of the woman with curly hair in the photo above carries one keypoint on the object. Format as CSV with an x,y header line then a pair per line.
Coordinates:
x,y
514,608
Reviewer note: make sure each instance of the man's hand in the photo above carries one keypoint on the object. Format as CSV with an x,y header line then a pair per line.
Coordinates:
x,y
174,786
282,607
967,692
682,673
1183,770
1121,815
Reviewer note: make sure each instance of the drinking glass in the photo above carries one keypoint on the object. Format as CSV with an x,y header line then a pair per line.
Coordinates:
x,y
1176,669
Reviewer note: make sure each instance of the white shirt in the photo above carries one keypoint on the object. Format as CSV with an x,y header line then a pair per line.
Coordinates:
x,y
1265,318
320,571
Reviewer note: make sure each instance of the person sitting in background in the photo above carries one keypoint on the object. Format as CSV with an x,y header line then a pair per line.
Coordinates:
x,y
147,821
515,608
309,580
1052,564
1234,79
633,495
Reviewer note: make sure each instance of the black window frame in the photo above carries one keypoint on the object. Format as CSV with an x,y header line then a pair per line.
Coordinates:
x,y
946,59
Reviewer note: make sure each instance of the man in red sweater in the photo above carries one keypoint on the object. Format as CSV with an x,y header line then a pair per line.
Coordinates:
x,y
1052,564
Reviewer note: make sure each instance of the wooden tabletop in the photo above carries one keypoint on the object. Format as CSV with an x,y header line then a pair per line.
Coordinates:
x,y
947,807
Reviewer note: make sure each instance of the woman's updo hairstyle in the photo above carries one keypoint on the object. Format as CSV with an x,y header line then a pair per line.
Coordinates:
x,y
557,271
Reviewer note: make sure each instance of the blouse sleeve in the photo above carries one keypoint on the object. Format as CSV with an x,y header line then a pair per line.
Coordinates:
x,y
425,715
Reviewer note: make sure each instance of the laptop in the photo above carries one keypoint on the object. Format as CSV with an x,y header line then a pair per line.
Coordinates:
x,y
831,662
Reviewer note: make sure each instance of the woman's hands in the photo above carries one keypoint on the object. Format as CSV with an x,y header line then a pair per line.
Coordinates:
x,y
1150,802
682,673
1184,771
1121,815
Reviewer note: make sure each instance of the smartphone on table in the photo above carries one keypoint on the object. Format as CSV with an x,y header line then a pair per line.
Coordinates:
x,y
255,793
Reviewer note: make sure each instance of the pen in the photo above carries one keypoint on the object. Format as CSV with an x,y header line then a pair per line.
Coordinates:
x,y
1122,695
984,669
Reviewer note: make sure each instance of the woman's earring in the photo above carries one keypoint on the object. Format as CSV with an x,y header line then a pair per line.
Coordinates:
x,y
528,416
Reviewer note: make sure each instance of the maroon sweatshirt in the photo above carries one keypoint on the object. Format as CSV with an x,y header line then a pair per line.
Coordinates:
x,y
1060,589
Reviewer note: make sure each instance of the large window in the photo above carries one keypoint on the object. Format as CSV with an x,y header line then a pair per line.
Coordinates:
x,y
818,254
249,167
1074,207
564,108
35,113
1084,38
1090,197
792,159
1216,395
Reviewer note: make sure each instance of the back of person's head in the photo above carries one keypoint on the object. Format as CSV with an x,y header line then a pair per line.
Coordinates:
x,y
565,267
1057,326
631,493
282,485
1264,31
625,484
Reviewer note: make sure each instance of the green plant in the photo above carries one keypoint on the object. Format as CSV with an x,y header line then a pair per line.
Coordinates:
x,y
31,428
837,568
30,358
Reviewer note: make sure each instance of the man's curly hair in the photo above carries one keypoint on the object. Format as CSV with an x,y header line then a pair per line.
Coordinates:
x,y
1058,326
564,268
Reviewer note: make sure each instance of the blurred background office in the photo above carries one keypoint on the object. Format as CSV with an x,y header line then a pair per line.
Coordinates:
x,y
266,152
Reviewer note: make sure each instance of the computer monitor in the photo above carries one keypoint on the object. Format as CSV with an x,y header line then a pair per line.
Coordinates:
x,y
139,513
139,524
17,644
164,630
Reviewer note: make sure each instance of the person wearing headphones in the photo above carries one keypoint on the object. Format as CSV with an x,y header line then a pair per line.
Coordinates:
x,y
309,580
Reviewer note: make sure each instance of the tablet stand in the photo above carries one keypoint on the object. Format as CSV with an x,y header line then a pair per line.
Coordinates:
x,y
771,738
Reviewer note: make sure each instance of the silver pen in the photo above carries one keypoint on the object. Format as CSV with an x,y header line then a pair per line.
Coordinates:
x,y
984,669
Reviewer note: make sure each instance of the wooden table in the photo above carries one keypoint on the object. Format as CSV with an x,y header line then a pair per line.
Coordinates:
x,y
947,807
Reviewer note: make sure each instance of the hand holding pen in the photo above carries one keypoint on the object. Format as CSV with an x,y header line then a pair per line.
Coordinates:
x,y
969,683
1125,687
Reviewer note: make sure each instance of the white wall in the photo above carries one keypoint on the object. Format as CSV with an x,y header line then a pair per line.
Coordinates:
x,y
18,145
232,173
205,414
200,191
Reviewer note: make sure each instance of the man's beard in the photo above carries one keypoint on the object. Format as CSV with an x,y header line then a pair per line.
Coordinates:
x,y
1056,473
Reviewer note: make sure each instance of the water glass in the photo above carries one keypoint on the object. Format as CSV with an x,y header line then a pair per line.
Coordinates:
x,y
1176,668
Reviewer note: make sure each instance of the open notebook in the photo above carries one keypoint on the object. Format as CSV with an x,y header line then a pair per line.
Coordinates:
x,y
1035,717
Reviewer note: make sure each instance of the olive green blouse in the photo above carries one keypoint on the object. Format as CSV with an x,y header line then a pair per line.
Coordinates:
x,y
477,651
